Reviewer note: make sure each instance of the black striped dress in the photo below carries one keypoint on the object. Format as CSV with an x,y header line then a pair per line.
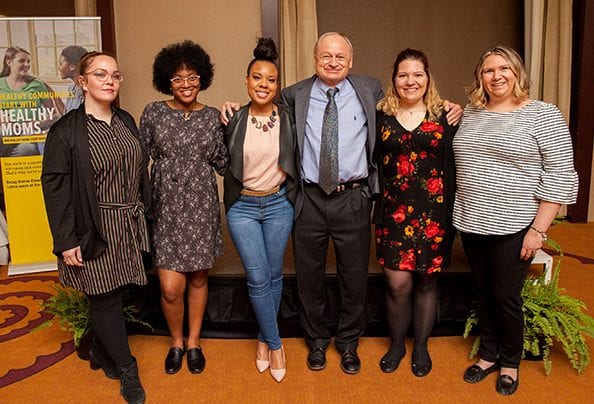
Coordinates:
x,y
506,163
116,159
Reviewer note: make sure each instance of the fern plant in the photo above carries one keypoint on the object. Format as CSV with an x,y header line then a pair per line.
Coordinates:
x,y
550,316
72,310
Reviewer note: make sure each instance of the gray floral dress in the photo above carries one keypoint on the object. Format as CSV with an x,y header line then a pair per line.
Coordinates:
x,y
186,226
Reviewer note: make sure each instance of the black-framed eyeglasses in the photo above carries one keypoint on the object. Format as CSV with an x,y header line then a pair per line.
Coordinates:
x,y
102,75
178,81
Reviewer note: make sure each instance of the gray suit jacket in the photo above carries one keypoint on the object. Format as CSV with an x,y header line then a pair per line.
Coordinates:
x,y
369,90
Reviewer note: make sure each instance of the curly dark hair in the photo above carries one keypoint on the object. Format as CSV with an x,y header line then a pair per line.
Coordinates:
x,y
73,54
177,56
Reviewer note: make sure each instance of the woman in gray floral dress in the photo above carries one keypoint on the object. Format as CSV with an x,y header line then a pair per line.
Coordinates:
x,y
185,141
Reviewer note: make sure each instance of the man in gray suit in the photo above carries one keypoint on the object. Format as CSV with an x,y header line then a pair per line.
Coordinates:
x,y
343,213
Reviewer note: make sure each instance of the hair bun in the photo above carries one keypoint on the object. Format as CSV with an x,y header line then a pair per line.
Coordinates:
x,y
266,50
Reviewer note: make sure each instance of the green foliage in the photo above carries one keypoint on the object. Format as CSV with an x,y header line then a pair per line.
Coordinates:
x,y
72,310
550,316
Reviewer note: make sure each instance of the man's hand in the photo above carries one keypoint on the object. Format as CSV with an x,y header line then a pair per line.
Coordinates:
x,y
228,108
454,112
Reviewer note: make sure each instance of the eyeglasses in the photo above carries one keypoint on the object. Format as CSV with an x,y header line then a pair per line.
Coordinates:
x,y
102,75
340,59
178,81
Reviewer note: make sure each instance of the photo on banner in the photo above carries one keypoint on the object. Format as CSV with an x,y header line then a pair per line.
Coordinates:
x,y
38,85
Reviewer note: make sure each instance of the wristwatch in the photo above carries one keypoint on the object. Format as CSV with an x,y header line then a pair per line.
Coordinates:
x,y
542,234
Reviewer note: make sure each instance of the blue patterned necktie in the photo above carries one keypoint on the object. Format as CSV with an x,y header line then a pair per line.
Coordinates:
x,y
328,176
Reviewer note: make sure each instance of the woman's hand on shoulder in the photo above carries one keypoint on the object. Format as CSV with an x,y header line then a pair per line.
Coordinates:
x,y
73,257
454,112
227,111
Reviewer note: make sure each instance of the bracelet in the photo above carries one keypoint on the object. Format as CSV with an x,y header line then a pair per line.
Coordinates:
x,y
542,233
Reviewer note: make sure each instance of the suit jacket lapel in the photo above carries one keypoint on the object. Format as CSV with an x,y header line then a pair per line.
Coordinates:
x,y
302,96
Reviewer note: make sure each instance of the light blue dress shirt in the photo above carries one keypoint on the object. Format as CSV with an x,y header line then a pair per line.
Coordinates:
x,y
352,133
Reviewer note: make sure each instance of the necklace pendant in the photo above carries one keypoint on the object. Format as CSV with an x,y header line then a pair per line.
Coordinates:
x,y
265,126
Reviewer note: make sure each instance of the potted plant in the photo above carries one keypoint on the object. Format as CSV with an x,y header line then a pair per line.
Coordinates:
x,y
550,315
71,308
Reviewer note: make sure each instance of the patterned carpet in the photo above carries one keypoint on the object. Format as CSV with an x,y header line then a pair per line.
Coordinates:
x,y
39,366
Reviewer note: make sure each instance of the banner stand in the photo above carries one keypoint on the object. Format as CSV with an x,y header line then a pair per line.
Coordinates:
x,y
20,269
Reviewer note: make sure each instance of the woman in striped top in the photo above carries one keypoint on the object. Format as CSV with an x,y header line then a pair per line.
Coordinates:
x,y
514,169
95,185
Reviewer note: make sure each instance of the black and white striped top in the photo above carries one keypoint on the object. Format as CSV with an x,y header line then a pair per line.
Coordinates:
x,y
506,163
116,158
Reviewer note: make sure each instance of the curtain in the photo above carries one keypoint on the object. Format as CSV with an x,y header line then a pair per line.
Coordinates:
x,y
548,26
85,8
298,34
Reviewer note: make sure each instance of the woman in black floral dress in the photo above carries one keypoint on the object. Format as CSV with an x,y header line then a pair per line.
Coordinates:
x,y
185,141
413,218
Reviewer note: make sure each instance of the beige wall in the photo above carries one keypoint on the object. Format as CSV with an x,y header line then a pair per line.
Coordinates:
x,y
226,29
452,33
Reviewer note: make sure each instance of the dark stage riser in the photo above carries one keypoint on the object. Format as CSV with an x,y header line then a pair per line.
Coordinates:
x,y
229,313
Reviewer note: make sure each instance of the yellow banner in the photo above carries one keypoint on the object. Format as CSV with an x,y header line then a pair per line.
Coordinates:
x,y
28,232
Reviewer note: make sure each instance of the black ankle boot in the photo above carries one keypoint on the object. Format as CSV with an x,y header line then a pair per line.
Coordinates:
x,y
99,358
130,388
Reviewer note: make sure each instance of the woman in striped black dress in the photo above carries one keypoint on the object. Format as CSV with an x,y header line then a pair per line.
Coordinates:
x,y
514,169
95,185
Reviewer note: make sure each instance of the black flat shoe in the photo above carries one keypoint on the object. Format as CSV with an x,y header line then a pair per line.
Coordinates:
x,y
390,361
173,361
506,385
196,360
421,364
350,362
316,359
475,374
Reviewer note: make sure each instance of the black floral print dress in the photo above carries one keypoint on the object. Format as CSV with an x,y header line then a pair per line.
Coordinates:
x,y
413,218
186,225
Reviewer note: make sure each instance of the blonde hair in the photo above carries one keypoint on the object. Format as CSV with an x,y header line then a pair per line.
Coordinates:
x,y
476,92
390,104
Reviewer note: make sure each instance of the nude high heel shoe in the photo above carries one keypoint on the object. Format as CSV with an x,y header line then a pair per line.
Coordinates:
x,y
262,364
279,374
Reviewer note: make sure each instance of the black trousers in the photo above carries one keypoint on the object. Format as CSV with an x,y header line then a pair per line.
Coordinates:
x,y
343,217
499,273
109,325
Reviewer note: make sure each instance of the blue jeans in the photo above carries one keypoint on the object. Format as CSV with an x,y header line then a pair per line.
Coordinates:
x,y
260,228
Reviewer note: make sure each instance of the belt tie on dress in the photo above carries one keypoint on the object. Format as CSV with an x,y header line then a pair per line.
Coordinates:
x,y
134,216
